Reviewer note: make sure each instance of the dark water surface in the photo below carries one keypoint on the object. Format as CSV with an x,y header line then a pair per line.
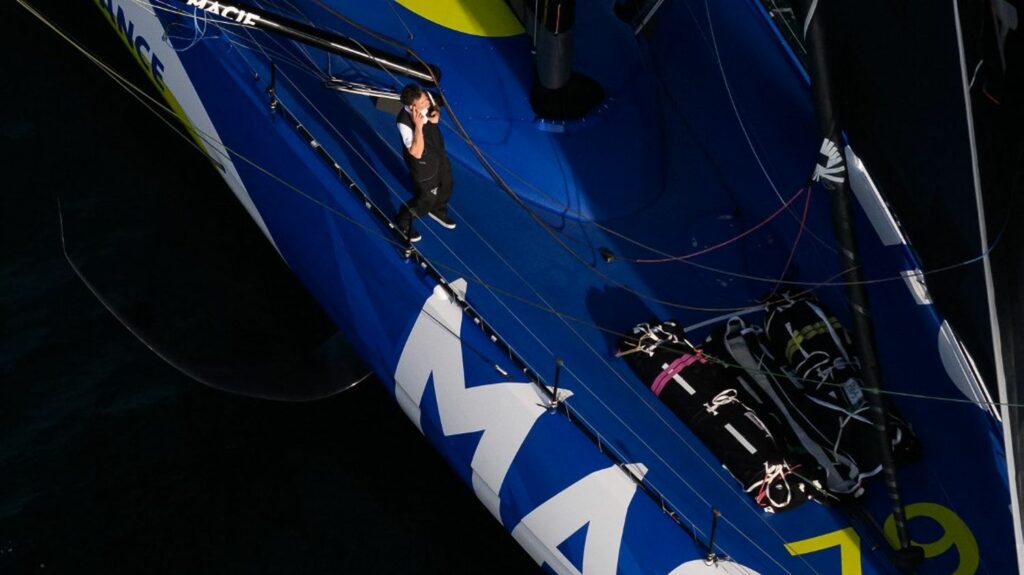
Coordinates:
x,y
112,461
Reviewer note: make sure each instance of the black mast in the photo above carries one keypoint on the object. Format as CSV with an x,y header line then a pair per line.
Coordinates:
x,y
831,172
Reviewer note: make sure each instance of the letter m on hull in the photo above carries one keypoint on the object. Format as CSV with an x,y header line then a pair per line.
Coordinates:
x,y
504,412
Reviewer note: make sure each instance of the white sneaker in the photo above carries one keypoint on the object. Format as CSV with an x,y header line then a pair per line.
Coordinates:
x,y
444,220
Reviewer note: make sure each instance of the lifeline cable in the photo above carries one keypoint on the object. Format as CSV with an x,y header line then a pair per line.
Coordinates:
x,y
796,243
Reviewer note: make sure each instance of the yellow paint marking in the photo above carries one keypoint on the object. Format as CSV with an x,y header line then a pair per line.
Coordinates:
x,y
846,539
172,102
489,18
955,534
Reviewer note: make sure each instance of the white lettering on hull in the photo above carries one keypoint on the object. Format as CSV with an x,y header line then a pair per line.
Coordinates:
x,y
505,412
226,11
600,501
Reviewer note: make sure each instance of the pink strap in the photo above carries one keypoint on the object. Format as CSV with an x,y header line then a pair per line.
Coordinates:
x,y
672,370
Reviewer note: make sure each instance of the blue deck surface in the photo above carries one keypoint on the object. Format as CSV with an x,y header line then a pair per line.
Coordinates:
x,y
707,129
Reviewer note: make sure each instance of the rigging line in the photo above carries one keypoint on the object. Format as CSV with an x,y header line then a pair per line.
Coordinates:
x,y
732,101
730,486
813,285
906,394
295,9
368,31
565,209
550,352
588,323
584,219
430,230
285,54
352,147
553,233
197,34
785,22
194,144
569,370
632,388
512,194
796,243
401,20
128,86
141,95
295,43
132,89
223,25
910,395
401,246
274,56
522,205
816,284
151,6
603,442
505,187
645,401
581,260
607,444
474,274
369,229
652,249
20,1
731,240
637,435
134,331
739,117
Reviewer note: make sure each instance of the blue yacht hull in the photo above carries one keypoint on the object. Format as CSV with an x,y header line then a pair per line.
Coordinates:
x,y
466,330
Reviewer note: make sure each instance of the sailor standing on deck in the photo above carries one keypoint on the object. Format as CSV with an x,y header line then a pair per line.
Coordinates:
x,y
428,163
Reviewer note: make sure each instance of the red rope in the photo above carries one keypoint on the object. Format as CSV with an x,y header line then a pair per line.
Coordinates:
x,y
796,242
730,240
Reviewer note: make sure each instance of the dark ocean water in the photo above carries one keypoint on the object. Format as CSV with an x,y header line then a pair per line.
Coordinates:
x,y
111,460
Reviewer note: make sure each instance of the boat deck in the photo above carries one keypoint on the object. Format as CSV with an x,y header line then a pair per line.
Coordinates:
x,y
682,156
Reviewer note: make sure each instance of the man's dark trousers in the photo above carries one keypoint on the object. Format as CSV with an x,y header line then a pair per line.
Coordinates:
x,y
431,196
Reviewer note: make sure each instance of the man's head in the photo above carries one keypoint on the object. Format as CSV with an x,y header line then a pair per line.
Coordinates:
x,y
415,97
